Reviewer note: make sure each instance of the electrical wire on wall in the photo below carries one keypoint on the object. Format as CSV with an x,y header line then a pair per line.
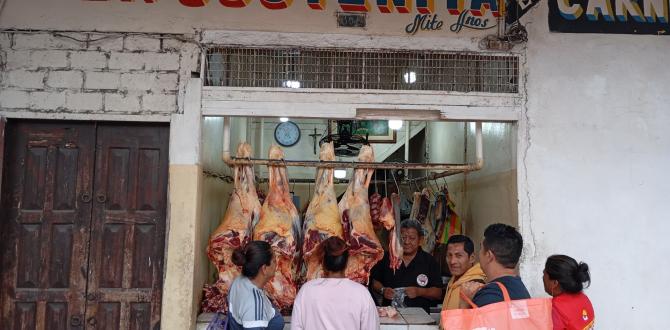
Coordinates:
x,y
507,36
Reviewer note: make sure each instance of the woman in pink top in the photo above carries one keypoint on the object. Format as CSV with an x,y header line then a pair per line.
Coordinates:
x,y
334,302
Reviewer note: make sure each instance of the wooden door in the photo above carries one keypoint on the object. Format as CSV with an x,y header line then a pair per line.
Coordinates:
x,y
128,228
46,213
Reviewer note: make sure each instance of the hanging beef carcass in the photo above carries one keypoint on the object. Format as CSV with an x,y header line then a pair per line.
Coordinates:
x,y
235,229
322,219
279,225
387,218
365,250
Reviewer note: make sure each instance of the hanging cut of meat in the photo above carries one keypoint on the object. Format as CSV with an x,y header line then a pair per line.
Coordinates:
x,y
388,220
395,245
279,225
235,229
421,211
375,210
427,219
365,250
322,219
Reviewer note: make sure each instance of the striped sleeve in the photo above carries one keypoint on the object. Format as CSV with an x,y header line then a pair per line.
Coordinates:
x,y
253,315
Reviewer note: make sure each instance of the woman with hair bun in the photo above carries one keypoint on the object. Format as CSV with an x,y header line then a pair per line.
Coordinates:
x,y
564,280
249,306
334,302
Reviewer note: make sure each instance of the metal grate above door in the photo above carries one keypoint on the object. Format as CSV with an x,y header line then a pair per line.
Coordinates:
x,y
361,69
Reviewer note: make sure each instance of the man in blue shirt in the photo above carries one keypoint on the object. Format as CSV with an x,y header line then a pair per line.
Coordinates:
x,y
498,256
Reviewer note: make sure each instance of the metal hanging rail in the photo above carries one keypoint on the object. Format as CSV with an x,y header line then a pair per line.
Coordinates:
x,y
234,161
436,176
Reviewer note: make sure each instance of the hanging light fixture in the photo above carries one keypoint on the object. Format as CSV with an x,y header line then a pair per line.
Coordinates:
x,y
395,124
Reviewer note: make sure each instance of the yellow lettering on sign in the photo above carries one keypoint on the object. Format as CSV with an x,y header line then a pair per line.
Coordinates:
x,y
656,9
569,11
599,7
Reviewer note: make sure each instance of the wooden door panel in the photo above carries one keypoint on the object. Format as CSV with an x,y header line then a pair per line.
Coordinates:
x,y
25,315
140,316
57,316
45,224
128,230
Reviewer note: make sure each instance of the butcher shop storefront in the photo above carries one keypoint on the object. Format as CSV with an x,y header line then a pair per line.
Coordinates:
x,y
378,133
190,129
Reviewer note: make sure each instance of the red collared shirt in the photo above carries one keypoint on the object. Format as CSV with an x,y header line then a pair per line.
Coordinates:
x,y
572,312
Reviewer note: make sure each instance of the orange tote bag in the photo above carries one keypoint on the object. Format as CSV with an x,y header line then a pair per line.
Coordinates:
x,y
526,314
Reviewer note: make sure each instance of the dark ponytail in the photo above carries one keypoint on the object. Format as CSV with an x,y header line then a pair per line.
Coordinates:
x,y
570,275
252,257
335,254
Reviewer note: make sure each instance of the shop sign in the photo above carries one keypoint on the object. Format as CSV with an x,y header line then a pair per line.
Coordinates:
x,y
460,14
517,8
609,16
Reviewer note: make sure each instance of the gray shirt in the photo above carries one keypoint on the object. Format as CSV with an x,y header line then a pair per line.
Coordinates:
x,y
249,305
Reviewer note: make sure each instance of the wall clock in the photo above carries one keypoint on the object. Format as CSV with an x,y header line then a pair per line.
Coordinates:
x,y
287,134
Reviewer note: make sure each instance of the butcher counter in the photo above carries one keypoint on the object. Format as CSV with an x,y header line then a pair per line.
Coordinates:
x,y
412,318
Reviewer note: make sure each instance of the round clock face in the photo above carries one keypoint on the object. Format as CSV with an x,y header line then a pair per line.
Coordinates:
x,y
287,133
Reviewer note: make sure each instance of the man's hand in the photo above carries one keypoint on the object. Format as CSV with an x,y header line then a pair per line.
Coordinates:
x,y
470,288
413,292
388,293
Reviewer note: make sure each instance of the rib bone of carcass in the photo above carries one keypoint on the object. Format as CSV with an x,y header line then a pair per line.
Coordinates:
x,y
322,219
235,229
279,225
364,247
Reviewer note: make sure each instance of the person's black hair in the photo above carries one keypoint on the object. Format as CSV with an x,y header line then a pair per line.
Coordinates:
x,y
252,257
505,242
411,223
468,245
570,275
335,254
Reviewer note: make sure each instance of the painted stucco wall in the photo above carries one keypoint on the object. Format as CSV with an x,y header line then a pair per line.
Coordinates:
x,y
593,159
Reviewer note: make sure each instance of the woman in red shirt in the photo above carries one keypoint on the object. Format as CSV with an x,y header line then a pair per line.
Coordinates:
x,y
564,280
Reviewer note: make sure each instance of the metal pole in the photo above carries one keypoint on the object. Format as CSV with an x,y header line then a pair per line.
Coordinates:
x,y
233,161
407,147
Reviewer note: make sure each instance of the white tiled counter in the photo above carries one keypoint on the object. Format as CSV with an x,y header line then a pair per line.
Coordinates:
x,y
408,319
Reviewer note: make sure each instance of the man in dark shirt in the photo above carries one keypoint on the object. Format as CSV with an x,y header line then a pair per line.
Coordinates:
x,y
499,256
419,273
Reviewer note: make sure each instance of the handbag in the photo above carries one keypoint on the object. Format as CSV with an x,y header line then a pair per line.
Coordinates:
x,y
523,314
218,322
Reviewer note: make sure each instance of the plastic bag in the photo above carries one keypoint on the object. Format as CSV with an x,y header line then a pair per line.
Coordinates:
x,y
398,298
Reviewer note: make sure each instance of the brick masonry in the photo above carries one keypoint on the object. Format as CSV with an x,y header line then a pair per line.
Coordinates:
x,y
109,74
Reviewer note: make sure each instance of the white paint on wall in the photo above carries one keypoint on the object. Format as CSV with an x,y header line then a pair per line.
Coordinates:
x,y
593,160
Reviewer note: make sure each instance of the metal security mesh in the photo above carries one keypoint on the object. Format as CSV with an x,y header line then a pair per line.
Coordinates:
x,y
362,69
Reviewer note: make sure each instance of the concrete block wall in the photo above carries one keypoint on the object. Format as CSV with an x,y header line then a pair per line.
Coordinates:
x,y
94,73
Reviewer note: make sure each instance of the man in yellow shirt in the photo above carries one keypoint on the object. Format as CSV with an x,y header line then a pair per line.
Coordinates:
x,y
461,262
